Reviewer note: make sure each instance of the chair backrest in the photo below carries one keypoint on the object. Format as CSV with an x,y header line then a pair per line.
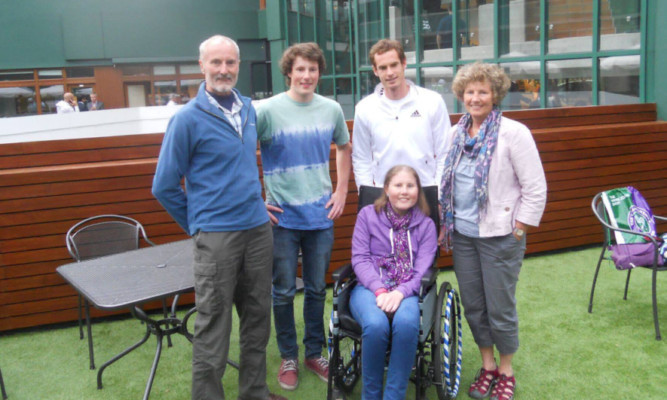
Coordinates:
x,y
103,235
625,215
601,214
368,195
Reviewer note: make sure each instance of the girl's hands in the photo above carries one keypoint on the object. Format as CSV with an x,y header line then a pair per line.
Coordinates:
x,y
389,302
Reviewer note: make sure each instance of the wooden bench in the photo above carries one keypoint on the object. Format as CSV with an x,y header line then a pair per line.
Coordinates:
x,y
45,187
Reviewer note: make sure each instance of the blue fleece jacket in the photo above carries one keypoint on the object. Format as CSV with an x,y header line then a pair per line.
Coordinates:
x,y
223,192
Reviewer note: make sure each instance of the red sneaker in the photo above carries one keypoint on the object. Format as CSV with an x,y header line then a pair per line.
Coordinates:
x,y
320,366
288,375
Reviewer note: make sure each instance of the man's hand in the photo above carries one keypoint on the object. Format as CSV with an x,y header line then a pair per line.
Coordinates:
x,y
273,218
389,302
337,204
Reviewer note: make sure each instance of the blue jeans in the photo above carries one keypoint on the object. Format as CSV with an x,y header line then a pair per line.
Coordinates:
x,y
316,248
375,337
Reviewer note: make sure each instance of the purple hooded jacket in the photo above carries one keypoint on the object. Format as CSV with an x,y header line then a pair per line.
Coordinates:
x,y
371,237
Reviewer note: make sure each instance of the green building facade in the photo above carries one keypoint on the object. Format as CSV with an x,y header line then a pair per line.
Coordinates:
x,y
137,52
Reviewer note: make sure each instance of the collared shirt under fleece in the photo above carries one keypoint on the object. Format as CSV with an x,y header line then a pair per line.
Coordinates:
x,y
371,237
295,139
412,132
223,192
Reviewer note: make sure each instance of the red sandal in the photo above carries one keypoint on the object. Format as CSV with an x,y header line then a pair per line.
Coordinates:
x,y
504,388
484,382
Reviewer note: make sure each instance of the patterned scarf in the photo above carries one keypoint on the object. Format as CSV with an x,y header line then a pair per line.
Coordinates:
x,y
481,148
396,268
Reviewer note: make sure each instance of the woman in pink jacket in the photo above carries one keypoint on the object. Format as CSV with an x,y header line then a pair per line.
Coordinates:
x,y
493,189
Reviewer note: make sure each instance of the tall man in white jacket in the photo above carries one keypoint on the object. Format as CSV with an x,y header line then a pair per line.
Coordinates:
x,y
400,123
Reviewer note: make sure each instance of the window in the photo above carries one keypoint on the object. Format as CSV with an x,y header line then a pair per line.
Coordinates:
x,y
80,72
33,92
17,101
331,24
50,95
16,75
557,53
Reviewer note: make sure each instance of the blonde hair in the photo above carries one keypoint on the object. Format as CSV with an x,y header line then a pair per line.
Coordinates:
x,y
482,72
382,201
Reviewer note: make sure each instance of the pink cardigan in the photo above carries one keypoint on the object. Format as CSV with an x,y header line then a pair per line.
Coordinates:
x,y
517,186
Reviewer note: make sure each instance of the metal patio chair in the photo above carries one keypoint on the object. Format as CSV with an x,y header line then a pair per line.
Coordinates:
x,y
99,236
602,215
2,387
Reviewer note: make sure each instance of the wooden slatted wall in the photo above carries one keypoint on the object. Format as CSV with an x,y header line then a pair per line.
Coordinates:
x,y
45,187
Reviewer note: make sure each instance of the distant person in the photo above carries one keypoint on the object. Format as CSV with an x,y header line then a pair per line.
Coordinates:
x,y
32,106
94,103
429,24
399,123
174,99
83,104
68,104
444,32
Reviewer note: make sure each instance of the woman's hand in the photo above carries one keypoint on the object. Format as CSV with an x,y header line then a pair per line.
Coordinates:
x,y
389,302
441,237
520,230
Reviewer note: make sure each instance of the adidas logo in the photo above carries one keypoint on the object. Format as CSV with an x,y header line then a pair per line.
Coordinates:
x,y
416,114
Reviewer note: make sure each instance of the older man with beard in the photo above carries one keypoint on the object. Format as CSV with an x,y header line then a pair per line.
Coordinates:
x,y
211,142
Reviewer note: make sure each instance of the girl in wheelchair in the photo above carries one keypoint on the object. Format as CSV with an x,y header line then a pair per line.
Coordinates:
x,y
393,244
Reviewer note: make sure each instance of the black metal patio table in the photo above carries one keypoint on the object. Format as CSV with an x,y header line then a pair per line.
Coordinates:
x,y
130,279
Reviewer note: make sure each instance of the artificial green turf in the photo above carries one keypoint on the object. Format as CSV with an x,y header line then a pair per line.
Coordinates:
x,y
565,353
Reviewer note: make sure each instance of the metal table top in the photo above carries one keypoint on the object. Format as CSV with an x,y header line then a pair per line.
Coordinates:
x,y
134,277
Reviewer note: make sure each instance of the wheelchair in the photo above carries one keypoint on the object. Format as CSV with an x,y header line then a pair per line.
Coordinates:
x,y
439,348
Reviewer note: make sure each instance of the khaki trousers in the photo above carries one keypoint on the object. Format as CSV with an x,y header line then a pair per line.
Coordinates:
x,y
232,268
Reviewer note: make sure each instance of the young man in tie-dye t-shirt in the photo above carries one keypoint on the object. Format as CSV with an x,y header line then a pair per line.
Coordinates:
x,y
295,130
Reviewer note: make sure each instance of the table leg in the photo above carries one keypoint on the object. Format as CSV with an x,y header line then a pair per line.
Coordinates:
x,y
156,360
91,353
121,355
2,386
159,328
165,313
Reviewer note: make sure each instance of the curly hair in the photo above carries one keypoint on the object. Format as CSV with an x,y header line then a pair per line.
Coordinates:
x,y
385,45
310,51
482,72
382,201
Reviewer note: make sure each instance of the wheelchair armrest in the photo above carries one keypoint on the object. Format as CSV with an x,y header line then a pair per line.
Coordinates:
x,y
342,273
429,277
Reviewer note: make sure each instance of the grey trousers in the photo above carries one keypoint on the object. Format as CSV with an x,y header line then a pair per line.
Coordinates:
x,y
487,270
232,268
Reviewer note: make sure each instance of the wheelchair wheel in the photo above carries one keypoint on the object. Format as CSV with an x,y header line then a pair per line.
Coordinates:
x,y
345,364
446,343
